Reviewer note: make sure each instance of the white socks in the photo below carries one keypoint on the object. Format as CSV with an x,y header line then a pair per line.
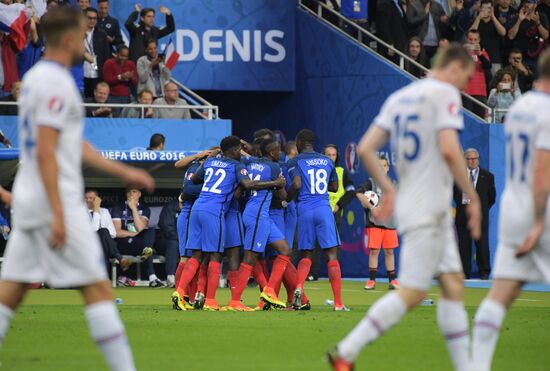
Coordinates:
x,y
6,314
385,313
487,322
152,277
453,322
108,333
170,279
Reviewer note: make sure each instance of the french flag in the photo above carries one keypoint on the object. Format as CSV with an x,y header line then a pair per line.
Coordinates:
x,y
172,56
13,19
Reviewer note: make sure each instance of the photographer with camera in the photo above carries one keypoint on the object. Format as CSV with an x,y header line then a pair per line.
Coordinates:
x,y
503,94
152,72
97,52
477,86
524,75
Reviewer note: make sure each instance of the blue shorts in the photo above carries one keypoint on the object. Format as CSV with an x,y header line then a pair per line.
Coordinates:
x,y
183,229
278,217
206,231
259,232
290,224
234,230
317,225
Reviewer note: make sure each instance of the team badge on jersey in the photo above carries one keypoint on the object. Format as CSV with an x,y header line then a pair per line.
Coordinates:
x,y
55,104
244,172
453,108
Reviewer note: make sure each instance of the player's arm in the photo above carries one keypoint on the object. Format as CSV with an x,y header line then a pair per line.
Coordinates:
x,y
5,196
186,161
198,176
541,191
122,233
450,149
129,175
256,185
46,146
360,194
373,139
294,189
140,221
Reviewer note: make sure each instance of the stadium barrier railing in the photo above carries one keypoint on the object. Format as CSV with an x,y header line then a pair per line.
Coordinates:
x,y
203,111
367,39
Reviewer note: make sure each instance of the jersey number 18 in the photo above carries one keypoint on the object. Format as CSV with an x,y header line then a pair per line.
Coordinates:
x,y
318,180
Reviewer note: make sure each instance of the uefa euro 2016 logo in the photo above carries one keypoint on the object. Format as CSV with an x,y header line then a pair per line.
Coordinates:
x,y
352,161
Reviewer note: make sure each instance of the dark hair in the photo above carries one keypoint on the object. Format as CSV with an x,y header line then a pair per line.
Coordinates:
x,y
265,144
330,145
140,94
487,2
156,140
230,142
93,10
383,157
306,136
452,53
474,31
121,47
516,51
58,22
144,12
102,1
89,190
151,41
289,145
500,74
262,133
544,64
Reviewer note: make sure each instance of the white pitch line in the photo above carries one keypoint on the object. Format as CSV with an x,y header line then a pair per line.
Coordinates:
x,y
528,300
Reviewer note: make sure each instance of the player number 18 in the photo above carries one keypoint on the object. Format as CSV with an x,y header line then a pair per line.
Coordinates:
x,y
318,179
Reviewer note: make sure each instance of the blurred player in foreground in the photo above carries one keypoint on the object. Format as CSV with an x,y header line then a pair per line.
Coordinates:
x,y
523,253
422,120
57,245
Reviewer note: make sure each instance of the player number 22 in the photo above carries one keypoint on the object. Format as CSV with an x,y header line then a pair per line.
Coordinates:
x,y
318,179
220,173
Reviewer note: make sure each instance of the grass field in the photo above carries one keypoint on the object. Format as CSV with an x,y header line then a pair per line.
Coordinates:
x,y
49,333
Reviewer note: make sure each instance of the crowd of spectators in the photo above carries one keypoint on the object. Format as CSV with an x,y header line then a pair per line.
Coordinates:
x,y
111,71
504,37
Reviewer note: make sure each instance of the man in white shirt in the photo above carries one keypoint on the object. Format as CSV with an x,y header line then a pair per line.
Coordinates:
x,y
102,223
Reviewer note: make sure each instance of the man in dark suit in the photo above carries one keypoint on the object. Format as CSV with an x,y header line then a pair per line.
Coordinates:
x,y
484,183
97,52
393,29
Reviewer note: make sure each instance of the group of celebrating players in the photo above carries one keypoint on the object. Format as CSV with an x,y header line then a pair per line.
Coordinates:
x,y
276,198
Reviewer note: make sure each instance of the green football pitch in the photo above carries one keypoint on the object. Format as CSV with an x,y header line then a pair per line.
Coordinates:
x,y
49,333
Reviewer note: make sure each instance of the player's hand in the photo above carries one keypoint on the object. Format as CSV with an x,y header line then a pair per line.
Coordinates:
x,y
335,209
532,240
164,10
281,182
5,196
473,210
57,238
137,8
203,154
6,229
139,178
384,211
522,13
247,147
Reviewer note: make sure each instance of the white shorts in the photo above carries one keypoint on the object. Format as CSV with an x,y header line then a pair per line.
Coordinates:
x,y
29,258
534,267
426,253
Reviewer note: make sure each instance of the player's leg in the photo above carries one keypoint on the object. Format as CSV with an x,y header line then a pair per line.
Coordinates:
x,y
278,268
306,244
258,273
453,319
105,326
488,321
182,226
11,295
201,279
214,272
233,261
243,274
234,240
374,253
420,259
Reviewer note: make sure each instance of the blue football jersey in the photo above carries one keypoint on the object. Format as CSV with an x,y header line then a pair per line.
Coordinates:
x,y
190,189
316,171
221,178
262,170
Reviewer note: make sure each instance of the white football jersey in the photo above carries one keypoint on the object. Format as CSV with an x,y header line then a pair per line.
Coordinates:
x,y
527,128
413,116
49,97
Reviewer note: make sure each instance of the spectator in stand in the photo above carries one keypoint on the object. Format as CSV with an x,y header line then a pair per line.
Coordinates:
x,y
103,225
156,143
8,64
415,50
84,4
101,95
524,75
109,25
121,75
442,43
169,245
463,16
491,32
503,94
477,86
97,52
171,98
544,8
146,30
27,57
427,20
393,29
153,73
506,13
144,97
530,32
13,97
131,220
